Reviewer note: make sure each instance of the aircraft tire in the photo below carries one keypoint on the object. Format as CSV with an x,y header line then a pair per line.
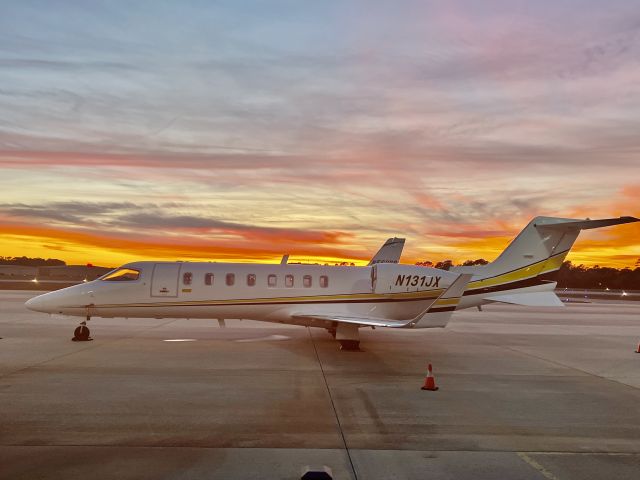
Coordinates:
x,y
350,345
81,334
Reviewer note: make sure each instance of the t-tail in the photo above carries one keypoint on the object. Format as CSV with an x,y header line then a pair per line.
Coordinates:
x,y
526,272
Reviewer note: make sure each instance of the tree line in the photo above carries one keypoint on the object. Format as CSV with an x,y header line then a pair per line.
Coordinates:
x,y
447,264
31,262
579,276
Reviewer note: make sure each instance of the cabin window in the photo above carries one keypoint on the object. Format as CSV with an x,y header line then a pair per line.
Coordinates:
x,y
208,278
272,280
186,278
121,275
251,279
231,278
288,281
324,281
307,281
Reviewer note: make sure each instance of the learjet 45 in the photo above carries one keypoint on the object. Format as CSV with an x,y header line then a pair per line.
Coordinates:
x,y
341,299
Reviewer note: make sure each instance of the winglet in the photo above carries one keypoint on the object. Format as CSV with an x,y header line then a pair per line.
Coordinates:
x,y
440,311
389,252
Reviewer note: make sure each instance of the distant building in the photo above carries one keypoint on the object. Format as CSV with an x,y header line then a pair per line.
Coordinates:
x,y
71,272
18,277
17,272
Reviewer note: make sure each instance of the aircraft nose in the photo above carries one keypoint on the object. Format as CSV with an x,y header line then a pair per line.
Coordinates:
x,y
41,303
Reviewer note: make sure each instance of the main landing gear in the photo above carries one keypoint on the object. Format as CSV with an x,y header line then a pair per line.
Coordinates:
x,y
350,345
348,337
81,333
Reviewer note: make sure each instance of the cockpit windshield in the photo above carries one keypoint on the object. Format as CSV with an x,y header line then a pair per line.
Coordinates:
x,y
121,275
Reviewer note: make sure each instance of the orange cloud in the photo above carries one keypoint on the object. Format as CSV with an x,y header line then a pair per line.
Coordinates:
x,y
223,241
112,250
621,250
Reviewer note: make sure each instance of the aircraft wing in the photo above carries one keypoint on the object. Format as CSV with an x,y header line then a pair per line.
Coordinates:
x,y
366,321
436,315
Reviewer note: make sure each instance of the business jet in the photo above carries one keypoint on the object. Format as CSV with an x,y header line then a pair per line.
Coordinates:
x,y
341,299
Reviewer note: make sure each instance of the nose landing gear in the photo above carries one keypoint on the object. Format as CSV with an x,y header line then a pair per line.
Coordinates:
x,y
348,336
82,332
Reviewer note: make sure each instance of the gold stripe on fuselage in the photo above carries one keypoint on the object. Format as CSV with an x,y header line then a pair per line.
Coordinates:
x,y
358,297
447,301
529,271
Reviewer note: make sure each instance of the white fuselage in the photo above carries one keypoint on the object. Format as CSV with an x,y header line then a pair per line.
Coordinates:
x,y
264,292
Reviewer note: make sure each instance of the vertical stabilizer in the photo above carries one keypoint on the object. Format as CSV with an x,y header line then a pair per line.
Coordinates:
x,y
539,249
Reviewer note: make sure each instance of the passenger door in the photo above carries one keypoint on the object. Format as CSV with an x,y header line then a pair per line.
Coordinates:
x,y
165,280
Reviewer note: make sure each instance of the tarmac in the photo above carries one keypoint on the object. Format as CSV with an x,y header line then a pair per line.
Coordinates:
x,y
525,393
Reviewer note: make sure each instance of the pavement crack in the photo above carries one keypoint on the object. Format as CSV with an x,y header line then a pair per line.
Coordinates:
x,y
333,406
530,461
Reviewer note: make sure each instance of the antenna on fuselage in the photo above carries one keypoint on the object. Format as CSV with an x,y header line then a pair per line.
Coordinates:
x,y
285,259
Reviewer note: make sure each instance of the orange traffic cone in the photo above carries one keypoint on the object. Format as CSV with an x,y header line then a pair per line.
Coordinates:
x,y
429,381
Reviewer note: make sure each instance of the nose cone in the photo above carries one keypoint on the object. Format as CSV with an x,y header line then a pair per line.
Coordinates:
x,y
68,301
38,304
48,302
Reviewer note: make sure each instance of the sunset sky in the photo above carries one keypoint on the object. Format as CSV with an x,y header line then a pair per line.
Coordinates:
x,y
245,130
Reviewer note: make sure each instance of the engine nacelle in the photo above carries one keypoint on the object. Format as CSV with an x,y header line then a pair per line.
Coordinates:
x,y
390,278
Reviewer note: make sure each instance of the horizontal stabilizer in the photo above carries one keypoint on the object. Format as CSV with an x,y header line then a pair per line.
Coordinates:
x,y
587,224
534,299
